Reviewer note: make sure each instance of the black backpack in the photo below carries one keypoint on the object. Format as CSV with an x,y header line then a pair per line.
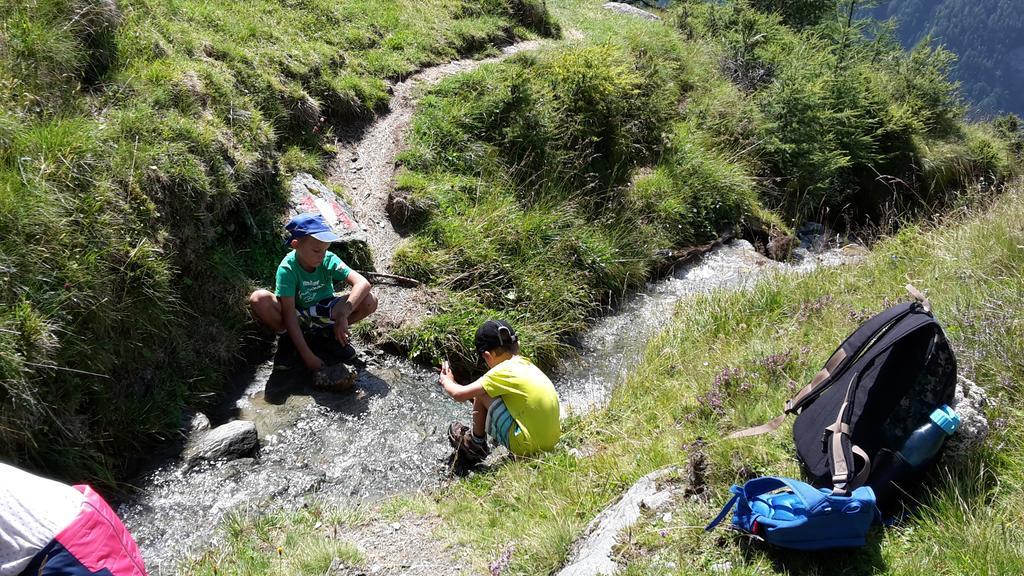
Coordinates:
x,y
881,384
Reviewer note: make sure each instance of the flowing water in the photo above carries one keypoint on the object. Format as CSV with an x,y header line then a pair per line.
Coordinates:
x,y
388,436
614,342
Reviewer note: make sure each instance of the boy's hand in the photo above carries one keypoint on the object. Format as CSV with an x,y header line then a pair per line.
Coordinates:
x,y
341,331
446,373
313,362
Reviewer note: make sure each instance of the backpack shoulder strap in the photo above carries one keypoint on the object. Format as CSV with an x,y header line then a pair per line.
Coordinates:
x,y
736,491
850,350
841,449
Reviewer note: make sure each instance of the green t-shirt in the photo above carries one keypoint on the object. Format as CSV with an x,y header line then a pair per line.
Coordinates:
x,y
308,288
531,399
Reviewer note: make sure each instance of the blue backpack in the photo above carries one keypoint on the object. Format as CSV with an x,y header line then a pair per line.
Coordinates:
x,y
793,514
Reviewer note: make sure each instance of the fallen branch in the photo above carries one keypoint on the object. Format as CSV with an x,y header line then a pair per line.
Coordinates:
x,y
674,257
400,279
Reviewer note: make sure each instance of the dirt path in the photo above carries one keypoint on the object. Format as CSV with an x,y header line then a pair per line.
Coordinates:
x,y
365,164
408,546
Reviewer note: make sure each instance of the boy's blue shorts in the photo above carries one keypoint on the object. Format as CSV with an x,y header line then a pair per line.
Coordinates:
x,y
500,424
319,314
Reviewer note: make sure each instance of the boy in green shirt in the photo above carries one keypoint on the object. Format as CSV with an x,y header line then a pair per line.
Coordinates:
x,y
305,289
514,402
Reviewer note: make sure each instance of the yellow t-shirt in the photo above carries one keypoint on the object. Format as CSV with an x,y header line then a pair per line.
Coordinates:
x,y
531,399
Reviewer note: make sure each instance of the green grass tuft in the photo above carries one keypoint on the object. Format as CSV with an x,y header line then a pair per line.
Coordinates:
x,y
302,543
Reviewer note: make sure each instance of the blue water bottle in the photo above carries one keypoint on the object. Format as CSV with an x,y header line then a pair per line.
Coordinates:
x,y
897,475
925,442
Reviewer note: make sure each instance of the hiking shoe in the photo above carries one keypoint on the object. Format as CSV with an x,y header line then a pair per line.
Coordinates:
x,y
456,430
324,343
335,378
347,354
468,450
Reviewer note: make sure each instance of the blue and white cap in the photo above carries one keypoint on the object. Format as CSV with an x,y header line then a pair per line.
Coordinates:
x,y
310,224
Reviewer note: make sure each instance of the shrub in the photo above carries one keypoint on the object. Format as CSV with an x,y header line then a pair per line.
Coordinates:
x,y
797,13
838,111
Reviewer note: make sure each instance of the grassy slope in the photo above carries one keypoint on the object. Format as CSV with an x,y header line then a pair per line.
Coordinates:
x,y
726,363
516,173
144,153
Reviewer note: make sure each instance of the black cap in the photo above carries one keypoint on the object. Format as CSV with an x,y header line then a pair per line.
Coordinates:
x,y
492,334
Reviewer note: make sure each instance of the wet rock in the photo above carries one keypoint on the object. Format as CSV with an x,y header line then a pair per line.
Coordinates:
x,y
594,554
810,229
311,195
234,470
335,378
228,441
802,254
780,245
629,10
969,403
199,423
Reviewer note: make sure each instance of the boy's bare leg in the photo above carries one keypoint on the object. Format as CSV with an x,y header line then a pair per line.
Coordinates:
x,y
480,405
366,307
267,309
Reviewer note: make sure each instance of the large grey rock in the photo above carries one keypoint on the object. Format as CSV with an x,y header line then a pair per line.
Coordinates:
x,y
630,10
663,4
593,555
969,403
311,195
236,439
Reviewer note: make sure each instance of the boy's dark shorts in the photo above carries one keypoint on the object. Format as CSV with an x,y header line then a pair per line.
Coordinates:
x,y
319,314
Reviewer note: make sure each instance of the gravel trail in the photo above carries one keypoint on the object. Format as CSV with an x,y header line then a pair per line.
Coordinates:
x,y
365,164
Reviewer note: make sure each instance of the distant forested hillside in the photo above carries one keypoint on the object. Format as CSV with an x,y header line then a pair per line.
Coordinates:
x,y
986,35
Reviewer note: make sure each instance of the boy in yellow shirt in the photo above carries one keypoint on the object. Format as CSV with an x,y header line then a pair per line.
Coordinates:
x,y
514,402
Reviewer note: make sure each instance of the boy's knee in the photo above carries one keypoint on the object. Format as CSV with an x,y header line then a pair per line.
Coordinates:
x,y
370,303
367,306
260,298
